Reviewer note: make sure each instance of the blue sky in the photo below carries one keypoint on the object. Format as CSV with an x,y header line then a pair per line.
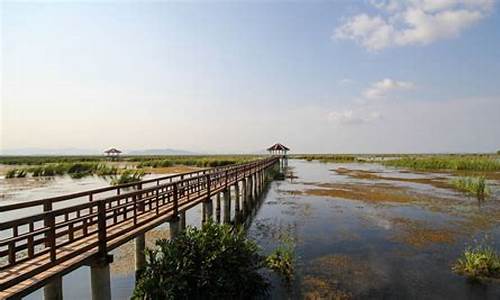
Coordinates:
x,y
336,76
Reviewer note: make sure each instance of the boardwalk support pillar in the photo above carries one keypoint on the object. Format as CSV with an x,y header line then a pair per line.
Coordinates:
x,y
53,289
217,208
206,210
237,197
244,195
174,226
182,220
100,278
227,206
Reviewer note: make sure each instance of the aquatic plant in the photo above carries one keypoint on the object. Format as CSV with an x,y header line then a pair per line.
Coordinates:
x,y
16,173
447,162
103,170
214,262
282,260
472,185
128,176
478,263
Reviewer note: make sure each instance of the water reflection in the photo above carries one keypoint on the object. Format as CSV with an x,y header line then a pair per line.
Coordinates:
x,y
375,232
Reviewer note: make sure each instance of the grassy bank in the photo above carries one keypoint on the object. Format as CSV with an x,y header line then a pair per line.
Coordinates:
x,y
448,162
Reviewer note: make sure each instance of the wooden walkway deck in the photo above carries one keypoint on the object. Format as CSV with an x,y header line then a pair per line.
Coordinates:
x,y
53,242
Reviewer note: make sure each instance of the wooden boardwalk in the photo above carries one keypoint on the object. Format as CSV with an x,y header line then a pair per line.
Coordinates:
x,y
63,233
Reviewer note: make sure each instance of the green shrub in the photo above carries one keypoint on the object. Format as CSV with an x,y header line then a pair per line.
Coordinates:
x,y
472,185
478,263
214,262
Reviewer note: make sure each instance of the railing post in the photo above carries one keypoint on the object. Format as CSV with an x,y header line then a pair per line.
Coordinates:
x,y
47,206
52,236
209,187
176,201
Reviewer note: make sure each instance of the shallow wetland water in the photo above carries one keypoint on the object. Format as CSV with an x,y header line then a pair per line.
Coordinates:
x,y
360,231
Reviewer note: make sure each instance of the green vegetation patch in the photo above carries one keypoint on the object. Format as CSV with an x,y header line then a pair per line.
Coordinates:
x,y
197,161
128,176
478,263
75,170
282,261
449,162
472,185
16,173
328,157
214,262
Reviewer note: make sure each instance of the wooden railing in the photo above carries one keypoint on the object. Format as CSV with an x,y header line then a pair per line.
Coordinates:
x,y
100,223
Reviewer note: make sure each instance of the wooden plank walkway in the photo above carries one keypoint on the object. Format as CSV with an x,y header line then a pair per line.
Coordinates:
x,y
55,242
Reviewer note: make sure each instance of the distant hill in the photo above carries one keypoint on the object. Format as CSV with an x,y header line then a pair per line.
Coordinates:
x,y
159,152
48,151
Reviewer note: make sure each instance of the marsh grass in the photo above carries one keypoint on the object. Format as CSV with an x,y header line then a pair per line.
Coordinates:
x,y
328,157
75,170
472,185
478,263
447,162
128,176
16,173
208,161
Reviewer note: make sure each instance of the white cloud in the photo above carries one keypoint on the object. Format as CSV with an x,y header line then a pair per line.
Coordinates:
x,y
350,117
413,22
381,88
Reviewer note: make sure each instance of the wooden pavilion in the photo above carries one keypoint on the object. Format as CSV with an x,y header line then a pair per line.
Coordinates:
x,y
278,149
113,153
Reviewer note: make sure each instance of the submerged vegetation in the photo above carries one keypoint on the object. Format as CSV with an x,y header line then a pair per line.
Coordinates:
x,y
479,263
447,162
214,262
472,185
282,261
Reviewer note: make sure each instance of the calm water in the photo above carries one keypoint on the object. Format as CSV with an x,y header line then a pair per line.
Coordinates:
x,y
359,230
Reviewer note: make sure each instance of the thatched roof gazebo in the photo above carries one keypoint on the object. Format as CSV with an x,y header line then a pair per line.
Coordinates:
x,y
278,149
112,153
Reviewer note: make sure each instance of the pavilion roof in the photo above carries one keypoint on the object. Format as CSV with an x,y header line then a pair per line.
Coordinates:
x,y
278,146
112,150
